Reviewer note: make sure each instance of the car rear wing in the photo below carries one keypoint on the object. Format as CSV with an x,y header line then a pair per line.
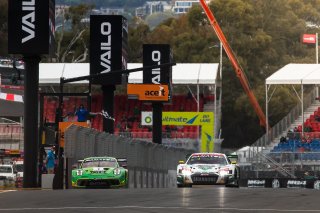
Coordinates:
x,y
122,162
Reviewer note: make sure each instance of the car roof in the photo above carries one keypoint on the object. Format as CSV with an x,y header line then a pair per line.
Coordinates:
x,y
207,153
90,158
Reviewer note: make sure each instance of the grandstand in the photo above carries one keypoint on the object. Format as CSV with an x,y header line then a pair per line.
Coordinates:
x,y
201,84
292,146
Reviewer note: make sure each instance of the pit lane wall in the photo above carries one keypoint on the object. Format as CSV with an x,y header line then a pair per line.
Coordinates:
x,y
150,165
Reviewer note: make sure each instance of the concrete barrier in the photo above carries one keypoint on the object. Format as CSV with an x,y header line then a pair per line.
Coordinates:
x,y
47,181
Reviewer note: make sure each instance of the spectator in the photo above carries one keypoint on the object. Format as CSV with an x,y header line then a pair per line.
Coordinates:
x,y
136,112
131,119
189,95
82,113
65,115
124,118
14,79
283,140
301,149
118,125
50,160
168,131
317,118
307,128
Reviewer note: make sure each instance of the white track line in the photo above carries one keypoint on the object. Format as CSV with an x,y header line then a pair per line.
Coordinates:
x,y
160,207
5,191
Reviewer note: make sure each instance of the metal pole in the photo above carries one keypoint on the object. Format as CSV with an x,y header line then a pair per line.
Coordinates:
x,y
302,109
220,98
31,83
267,114
198,108
317,49
215,108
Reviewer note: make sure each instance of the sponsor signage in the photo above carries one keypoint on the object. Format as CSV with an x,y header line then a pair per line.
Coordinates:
x,y
108,47
309,38
203,119
146,118
296,184
181,118
256,183
148,92
31,26
157,54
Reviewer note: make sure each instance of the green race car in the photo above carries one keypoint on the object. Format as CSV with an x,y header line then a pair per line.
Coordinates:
x,y
100,172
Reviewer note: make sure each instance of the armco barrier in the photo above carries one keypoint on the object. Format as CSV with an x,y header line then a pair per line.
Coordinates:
x,y
150,165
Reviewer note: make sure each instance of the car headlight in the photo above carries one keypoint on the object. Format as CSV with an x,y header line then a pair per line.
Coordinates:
x,y
116,172
79,172
186,171
224,172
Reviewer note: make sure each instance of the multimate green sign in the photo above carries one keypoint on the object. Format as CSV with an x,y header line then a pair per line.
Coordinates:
x,y
203,119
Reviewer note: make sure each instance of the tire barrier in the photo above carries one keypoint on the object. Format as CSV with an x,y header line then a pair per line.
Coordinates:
x,y
281,183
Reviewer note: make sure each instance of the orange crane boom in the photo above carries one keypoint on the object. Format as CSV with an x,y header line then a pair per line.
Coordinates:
x,y
237,68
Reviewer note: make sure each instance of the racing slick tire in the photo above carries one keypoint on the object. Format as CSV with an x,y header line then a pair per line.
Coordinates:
x,y
235,181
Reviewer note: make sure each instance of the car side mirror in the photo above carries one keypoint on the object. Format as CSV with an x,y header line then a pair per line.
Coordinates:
x,y
181,161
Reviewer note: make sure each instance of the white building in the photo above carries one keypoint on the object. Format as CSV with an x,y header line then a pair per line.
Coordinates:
x,y
183,6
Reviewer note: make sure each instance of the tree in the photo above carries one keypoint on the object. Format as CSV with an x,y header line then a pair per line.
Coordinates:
x,y
72,45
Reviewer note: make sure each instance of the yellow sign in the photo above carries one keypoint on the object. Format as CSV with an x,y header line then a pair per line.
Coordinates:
x,y
149,92
203,119
64,125
187,118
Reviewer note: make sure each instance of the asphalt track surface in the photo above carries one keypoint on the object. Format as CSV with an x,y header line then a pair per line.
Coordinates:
x,y
196,199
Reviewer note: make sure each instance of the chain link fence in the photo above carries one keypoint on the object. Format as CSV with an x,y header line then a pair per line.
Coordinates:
x,y
150,165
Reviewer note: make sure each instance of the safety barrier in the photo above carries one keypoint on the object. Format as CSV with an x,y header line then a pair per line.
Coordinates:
x,y
282,183
150,165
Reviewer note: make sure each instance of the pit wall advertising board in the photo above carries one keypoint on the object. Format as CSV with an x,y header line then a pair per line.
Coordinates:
x,y
203,119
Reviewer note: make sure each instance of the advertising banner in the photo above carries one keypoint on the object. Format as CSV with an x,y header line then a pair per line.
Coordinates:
x,y
157,54
309,38
108,47
203,119
148,92
31,26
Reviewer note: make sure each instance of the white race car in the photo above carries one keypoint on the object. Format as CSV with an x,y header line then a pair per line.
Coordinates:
x,y
207,169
